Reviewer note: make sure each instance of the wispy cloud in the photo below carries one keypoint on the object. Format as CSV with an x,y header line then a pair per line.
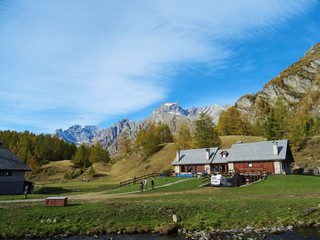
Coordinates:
x,y
66,62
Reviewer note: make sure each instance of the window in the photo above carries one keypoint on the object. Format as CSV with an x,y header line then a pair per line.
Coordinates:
x,y
5,173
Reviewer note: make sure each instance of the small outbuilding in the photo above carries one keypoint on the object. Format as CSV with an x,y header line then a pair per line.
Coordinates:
x,y
12,172
56,201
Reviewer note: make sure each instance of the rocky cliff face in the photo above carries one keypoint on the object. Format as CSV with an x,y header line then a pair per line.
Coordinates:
x,y
78,134
169,113
173,115
299,81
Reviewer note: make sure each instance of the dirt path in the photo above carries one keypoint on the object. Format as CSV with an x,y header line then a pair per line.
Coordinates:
x,y
100,196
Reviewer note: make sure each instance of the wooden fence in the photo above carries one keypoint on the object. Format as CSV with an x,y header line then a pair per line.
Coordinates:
x,y
135,180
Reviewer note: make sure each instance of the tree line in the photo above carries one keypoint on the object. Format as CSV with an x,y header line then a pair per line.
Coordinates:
x,y
150,138
36,150
276,122
273,122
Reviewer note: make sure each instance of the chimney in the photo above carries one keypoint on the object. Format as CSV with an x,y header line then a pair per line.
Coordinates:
x,y
275,148
178,156
207,154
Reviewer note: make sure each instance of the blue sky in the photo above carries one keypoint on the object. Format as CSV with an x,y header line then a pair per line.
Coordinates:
x,y
97,62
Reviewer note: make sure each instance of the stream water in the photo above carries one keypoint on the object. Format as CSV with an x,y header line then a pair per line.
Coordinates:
x,y
300,234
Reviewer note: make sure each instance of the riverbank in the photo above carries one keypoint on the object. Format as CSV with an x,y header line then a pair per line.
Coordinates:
x,y
292,234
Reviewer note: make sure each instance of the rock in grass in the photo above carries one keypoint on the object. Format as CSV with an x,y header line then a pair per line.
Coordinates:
x,y
175,218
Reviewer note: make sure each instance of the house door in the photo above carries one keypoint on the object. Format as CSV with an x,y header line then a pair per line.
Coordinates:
x,y
277,167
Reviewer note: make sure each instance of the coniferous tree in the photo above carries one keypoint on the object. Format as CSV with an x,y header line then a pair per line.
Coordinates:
x,y
163,132
299,124
205,134
81,157
315,127
183,138
98,154
147,141
278,120
43,148
231,122
125,143
91,172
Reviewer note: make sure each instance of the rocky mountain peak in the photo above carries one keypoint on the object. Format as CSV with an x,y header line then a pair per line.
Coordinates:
x,y
168,113
172,108
300,80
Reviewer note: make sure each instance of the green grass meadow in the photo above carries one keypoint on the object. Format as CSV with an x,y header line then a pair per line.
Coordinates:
x,y
277,201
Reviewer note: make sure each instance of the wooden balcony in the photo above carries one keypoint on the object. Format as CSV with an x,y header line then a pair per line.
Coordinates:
x,y
251,171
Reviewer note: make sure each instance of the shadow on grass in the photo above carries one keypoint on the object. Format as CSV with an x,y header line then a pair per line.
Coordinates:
x,y
52,190
73,204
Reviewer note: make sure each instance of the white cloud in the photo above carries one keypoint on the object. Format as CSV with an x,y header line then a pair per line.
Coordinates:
x,y
96,59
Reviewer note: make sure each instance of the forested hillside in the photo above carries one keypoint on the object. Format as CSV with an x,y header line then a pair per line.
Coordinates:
x,y
36,150
288,106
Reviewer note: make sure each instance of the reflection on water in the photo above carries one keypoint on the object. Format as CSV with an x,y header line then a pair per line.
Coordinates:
x,y
302,234
127,237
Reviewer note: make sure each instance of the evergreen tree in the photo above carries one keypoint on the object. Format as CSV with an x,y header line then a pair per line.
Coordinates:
x,y
183,138
205,134
151,143
163,132
315,127
299,124
231,122
81,157
98,154
43,147
125,143
277,120
91,172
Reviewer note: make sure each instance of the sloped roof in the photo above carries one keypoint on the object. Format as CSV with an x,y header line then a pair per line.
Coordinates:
x,y
218,157
258,151
9,161
195,156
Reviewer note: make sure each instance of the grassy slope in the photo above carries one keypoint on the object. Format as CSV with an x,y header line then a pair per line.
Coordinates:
x,y
309,155
277,201
127,167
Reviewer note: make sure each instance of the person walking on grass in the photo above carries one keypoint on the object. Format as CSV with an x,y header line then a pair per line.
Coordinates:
x,y
141,185
145,183
26,189
152,183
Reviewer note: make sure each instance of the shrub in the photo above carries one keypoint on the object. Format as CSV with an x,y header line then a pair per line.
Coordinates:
x,y
73,174
91,172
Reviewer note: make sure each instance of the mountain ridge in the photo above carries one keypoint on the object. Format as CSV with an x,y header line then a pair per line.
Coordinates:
x,y
298,83
170,113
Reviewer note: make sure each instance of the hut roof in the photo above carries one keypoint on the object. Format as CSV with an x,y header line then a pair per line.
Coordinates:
x,y
9,161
